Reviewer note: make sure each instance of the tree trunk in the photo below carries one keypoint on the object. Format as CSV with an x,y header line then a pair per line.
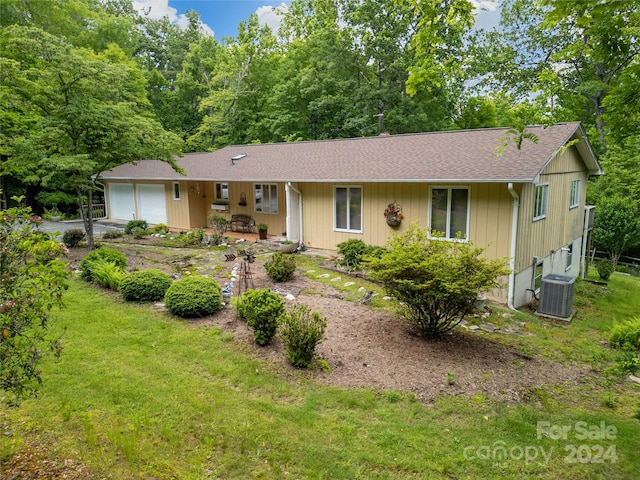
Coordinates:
x,y
87,216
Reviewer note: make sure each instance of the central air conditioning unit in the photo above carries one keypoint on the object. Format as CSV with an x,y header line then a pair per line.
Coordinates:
x,y
556,295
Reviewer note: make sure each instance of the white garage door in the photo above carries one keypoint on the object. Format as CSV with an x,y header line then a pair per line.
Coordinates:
x,y
121,204
151,204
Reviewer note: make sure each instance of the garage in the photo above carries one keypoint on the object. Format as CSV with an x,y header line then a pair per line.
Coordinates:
x,y
152,205
121,203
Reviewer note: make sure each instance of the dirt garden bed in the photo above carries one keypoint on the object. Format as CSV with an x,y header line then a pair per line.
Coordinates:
x,y
365,347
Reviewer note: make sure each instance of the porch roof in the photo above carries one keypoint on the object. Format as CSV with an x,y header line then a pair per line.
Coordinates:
x,y
465,155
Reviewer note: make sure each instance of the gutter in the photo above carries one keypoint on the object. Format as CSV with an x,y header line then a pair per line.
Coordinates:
x,y
512,259
288,187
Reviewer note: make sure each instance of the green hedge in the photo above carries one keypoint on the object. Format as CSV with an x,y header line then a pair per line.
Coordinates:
x,y
193,296
145,286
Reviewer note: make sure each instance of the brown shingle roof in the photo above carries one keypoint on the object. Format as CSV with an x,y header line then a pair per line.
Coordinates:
x,y
466,155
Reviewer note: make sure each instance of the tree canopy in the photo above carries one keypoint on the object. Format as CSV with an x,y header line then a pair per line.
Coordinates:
x,y
88,84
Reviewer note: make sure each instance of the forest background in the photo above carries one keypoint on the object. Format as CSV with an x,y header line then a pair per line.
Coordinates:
x,y
90,84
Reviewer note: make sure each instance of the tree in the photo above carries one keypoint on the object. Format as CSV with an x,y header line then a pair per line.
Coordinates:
x,y
436,282
568,55
32,280
616,226
87,112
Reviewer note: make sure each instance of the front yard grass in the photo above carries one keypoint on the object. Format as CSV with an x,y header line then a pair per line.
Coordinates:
x,y
137,394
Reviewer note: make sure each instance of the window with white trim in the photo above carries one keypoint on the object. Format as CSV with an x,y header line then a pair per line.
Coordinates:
x,y
222,192
538,269
449,212
574,198
176,191
540,201
347,211
266,195
569,250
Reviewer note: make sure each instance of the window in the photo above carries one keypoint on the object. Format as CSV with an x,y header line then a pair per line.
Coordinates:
x,y
538,268
176,191
541,197
266,198
348,209
450,212
569,250
574,199
222,192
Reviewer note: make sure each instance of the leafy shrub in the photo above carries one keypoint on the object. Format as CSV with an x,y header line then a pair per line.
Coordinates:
x,y
107,273
436,282
626,335
138,233
73,237
605,269
193,296
145,286
261,309
280,267
160,228
302,331
112,234
352,250
100,254
131,224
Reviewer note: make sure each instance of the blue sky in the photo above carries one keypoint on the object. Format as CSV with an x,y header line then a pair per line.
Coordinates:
x,y
223,16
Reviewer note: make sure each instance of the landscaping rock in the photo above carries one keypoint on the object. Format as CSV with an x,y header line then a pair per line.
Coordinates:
x,y
488,327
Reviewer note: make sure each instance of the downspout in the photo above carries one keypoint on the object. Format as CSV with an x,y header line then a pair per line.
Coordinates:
x,y
512,258
301,232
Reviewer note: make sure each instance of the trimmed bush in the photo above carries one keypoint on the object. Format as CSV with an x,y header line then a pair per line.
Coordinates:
x,y
73,237
262,310
301,332
605,269
100,254
192,297
107,273
133,224
280,267
145,285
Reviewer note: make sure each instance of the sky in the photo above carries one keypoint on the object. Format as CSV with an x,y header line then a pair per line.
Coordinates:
x,y
221,17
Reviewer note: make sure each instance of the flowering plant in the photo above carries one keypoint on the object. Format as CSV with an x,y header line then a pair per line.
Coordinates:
x,y
393,210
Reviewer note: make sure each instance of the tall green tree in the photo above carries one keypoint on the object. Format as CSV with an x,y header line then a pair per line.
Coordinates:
x,y
566,54
87,112
616,226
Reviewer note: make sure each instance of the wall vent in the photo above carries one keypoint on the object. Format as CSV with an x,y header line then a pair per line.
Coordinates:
x,y
556,295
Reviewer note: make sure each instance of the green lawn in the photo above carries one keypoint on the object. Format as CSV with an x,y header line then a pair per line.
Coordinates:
x,y
139,395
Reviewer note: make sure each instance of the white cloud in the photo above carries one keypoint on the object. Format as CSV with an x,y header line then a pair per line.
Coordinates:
x,y
158,9
488,5
272,16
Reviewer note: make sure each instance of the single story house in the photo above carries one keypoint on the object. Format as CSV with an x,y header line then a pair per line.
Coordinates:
x,y
525,204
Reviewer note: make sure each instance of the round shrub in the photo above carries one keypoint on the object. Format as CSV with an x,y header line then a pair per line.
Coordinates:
x,y
280,267
605,269
193,296
145,285
73,237
262,310
135,224
102,253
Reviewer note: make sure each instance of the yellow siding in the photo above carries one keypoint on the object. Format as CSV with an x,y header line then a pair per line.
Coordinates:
x,y
177,210
489,225
562,225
